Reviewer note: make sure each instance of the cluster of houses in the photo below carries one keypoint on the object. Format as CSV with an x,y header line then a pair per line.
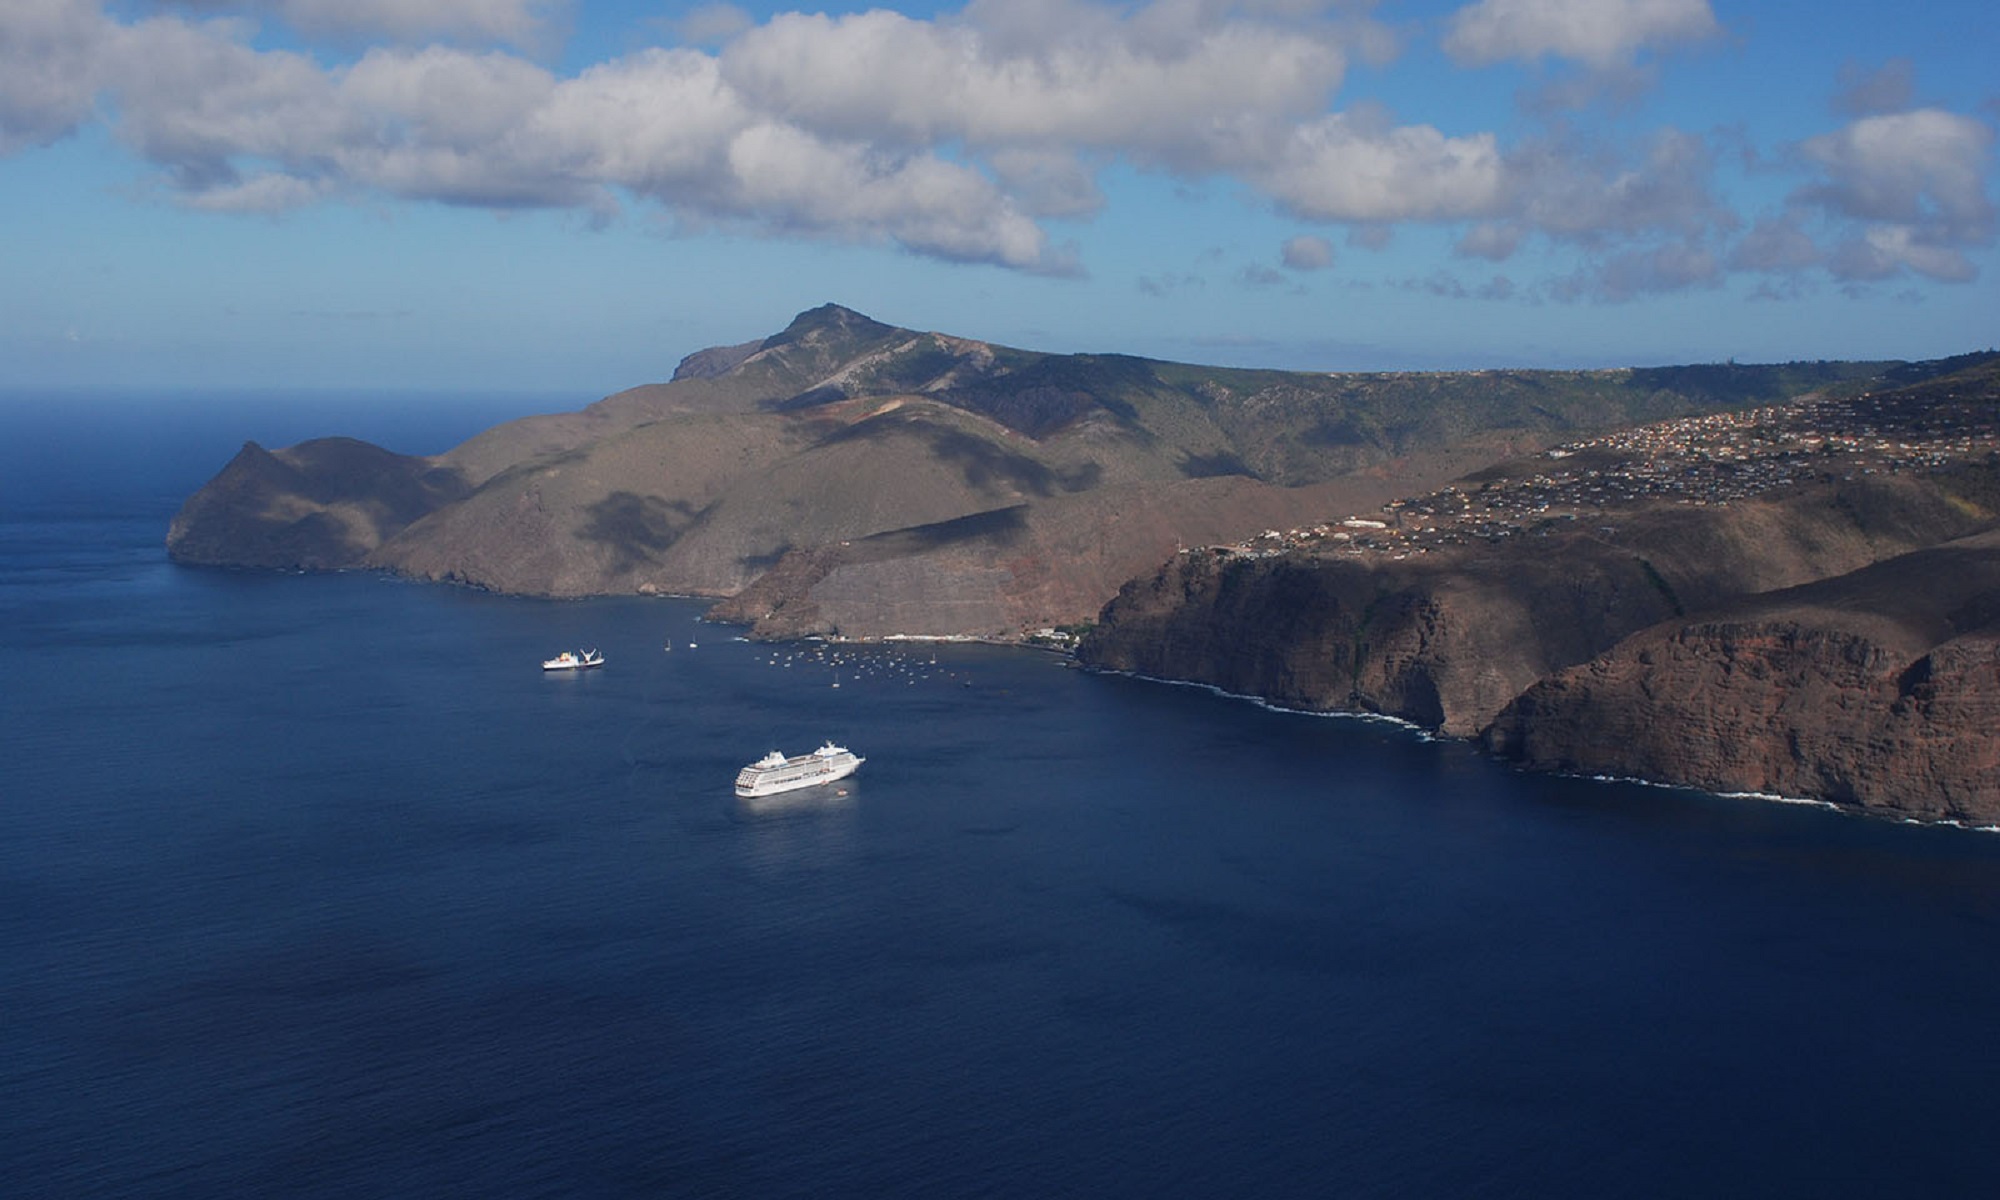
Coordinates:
x,y
1714,459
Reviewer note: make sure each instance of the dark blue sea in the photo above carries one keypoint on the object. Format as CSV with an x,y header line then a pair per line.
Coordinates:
x,y
317,886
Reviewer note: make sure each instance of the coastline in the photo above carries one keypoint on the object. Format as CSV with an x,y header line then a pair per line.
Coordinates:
x,y
1422,734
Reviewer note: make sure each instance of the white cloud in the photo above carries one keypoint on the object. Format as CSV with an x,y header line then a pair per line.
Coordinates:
x,y
1644,224
659,123
51,66
1047,183
793,180
955,137
445,97
1884,251
198,103
1914,183
266,193
1925,166
1587,194
1342,169
1185,93
1599,33
235,128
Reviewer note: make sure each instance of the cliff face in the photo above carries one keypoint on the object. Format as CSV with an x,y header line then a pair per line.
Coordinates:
x,y
1802,600
1879,690
1442,643
1446,639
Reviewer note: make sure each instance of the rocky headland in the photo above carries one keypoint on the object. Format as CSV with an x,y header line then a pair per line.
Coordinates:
x,y
1797,600
1879,689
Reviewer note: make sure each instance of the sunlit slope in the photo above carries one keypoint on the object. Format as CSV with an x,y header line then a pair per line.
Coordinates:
x,y
842,428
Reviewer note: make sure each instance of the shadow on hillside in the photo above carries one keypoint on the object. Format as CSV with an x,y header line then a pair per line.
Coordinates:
x,y
1000,526
636,528
986,465
1214,466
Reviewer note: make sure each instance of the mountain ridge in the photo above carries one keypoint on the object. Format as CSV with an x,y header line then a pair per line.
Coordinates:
x,y
840,428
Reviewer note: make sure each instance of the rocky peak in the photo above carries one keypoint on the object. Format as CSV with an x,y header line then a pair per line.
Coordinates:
x,y
818,340
829,323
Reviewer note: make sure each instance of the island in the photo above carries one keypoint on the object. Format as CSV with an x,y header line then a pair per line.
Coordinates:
x,y
1761,578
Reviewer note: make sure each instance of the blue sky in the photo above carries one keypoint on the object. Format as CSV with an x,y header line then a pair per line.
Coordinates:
x,y
569,195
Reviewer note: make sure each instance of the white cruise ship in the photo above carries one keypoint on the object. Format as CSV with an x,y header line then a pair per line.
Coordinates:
x,y
775,773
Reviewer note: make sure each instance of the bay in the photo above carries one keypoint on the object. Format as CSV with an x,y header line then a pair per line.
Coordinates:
x,y
318,886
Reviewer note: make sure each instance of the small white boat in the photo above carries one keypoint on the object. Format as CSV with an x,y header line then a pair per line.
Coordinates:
x,y
579,661
775,773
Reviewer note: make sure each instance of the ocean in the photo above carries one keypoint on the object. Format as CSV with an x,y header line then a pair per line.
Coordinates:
x,y
315,885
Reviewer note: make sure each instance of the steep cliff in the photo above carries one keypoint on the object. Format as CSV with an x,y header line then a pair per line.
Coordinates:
x,y
1879,689
1446,639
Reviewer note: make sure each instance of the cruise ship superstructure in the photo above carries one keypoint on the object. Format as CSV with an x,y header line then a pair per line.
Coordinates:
x,y
775,773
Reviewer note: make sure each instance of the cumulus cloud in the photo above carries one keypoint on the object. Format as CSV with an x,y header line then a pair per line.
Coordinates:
x,y
201,104
236,128
1915,182
1047,183
1644,222
1339,168
1586,194
1924,166
1884,251
957,137
949,137
51,66
1188,94
263,193
1598,33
